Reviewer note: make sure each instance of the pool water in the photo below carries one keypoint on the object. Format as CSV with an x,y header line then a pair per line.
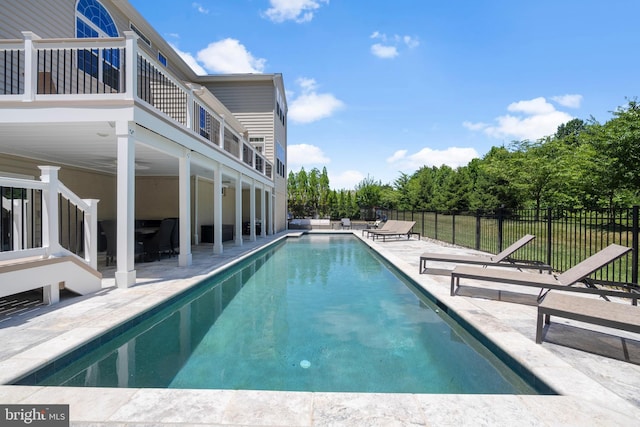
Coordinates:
x,y
318,313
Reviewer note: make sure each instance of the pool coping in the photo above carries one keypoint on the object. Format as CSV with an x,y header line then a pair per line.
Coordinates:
x,y
587,398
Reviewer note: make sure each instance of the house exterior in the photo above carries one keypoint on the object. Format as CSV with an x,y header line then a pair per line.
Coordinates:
x,y
96,107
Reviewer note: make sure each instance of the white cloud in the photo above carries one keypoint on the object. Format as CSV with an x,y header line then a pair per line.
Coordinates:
x,y
384,52
310,105
536,106
397,156
532,119
475,126
190,60
200,8
388,46
569,101
293,10
411,42
230,56
346,180
452,156
305,155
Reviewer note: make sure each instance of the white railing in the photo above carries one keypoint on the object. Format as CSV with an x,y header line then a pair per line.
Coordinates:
x,y
38,227
36,69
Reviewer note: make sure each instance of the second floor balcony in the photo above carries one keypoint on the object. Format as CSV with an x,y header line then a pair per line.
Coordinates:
x,y
116,69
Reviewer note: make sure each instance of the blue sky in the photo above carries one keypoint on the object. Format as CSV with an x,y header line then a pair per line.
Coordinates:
x,y
380,88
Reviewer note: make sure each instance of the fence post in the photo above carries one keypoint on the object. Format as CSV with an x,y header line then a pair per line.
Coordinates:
x,y
422,225
500,224
634,254
478,229
453,227
436,224
549,234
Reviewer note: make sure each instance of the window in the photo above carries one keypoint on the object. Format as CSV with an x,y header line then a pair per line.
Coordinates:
x,y
93,20
205,123
258,143
279,109
280,162
162,59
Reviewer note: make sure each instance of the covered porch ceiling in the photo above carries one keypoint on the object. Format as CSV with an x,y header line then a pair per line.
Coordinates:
x,y
87,145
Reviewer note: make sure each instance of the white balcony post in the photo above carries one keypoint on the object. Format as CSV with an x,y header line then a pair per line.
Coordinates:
x,y
252,211
217,209
196,210
263,203
184,195
131,55
50,229
271,199
190,109
238,225
221,131
91,233
30,66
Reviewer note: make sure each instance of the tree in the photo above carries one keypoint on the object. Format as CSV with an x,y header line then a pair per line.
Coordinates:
x,y
570,132
368,196
324,191
403,191
296,206
495,180
313,192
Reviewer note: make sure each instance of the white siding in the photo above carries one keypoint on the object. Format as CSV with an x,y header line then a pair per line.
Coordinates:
x,y
245,98
254,106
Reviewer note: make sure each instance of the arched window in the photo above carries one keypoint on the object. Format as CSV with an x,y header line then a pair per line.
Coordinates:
x,y
93,20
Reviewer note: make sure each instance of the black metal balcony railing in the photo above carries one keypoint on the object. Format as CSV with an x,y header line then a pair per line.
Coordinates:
x,y
12,67
33,69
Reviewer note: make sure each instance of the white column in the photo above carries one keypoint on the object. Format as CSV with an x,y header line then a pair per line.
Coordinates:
x,y
196,217
185,256
50,220
271,216
263,203
238,222
217,209
125,212
252,211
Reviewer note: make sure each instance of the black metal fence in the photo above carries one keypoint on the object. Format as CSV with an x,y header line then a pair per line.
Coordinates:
x,y
564,237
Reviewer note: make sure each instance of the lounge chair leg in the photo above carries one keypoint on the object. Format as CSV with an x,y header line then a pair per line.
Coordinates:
x,y
539,329
453,284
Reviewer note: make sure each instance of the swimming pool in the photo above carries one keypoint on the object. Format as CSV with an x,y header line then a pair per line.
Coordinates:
x,y
319,313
